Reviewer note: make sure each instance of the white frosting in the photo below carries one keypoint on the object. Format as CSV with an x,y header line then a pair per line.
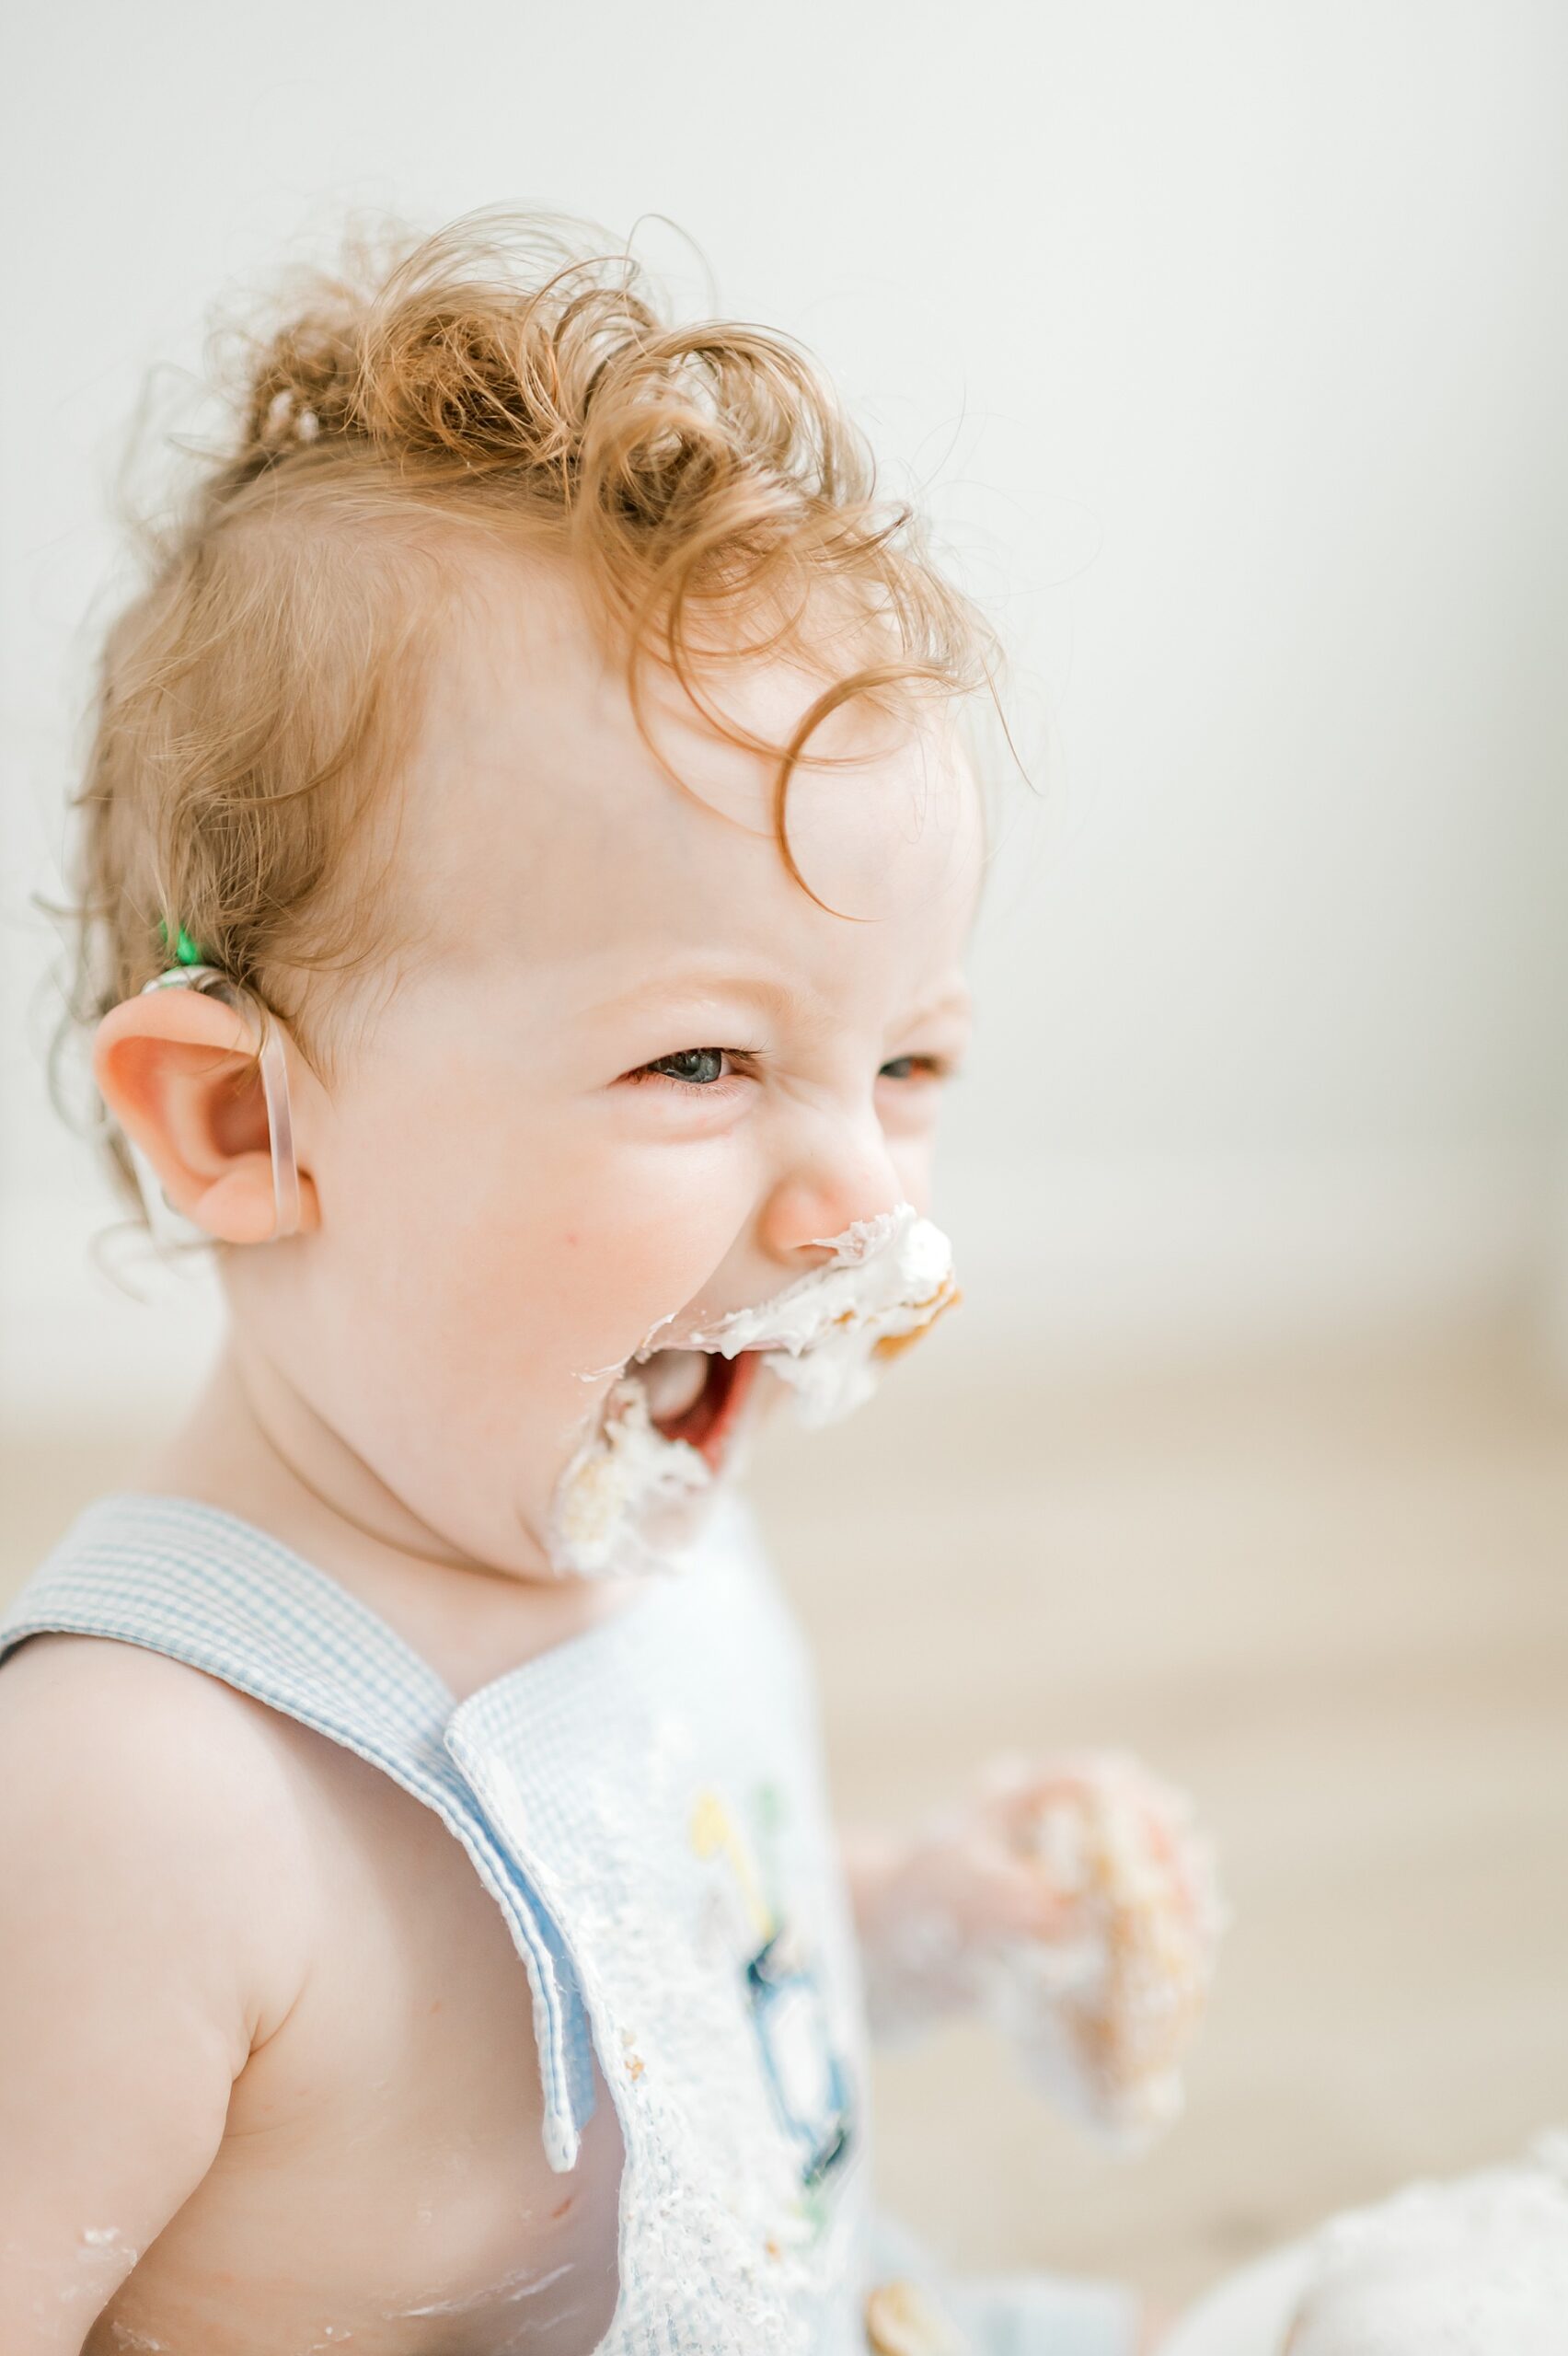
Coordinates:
x,y
625,1484
630,1498
890,1277
1478,2267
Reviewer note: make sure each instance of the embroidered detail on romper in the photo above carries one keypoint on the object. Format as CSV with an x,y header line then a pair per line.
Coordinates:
x,y
805,2075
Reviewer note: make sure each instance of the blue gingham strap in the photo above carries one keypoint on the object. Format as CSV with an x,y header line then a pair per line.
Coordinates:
x,y
204,1587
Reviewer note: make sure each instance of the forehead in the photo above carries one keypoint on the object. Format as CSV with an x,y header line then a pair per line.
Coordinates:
x,y
539,825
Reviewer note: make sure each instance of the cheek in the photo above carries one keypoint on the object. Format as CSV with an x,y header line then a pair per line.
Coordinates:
x,y
470,1271
526,1249
637,1231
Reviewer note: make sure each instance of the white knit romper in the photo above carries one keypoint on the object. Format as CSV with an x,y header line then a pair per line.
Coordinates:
x,y
645,1804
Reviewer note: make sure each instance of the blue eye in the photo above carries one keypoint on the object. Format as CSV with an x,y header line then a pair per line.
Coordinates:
x,y
705,1067
695,1067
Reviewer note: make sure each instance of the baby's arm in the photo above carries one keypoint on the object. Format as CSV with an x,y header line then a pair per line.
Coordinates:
x,y
925,1901
146,1945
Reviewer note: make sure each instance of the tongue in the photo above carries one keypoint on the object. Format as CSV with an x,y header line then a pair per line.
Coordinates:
x,y
675,1380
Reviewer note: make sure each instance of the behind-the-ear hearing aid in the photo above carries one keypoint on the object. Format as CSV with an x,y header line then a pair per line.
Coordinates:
x,y
191,973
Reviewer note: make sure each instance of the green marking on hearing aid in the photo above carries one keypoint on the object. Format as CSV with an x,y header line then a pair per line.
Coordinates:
x,y
185,950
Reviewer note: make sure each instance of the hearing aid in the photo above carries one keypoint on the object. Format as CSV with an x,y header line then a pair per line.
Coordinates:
x,y
190,973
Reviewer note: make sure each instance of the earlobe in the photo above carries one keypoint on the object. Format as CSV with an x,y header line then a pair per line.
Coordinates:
x,y
238,1207
178,1070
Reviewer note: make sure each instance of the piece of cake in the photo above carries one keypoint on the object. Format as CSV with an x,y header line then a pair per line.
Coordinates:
x,y
903,2320
1478,2267
1103,2015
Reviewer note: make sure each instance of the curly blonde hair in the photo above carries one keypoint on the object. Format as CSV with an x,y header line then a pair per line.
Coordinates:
x,y
502,379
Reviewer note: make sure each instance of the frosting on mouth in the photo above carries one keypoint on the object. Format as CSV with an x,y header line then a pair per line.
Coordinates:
x,y
890,1280
625,1482
633,1492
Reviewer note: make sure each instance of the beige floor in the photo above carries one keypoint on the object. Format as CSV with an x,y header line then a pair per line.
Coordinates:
x,y
1333,1600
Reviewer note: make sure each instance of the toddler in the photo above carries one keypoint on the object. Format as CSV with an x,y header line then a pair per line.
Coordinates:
x,y
526,871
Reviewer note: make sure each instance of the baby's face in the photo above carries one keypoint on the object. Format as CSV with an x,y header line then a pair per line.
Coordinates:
x,y
633,1073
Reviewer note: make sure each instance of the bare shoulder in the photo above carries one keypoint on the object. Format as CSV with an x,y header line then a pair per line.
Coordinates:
x,y
136,1781
150,1940
99,1712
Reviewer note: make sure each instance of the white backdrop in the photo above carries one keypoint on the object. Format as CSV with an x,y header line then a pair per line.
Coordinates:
x,y
1229,339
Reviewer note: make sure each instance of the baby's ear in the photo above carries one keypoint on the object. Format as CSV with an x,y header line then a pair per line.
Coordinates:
x,y
179,1071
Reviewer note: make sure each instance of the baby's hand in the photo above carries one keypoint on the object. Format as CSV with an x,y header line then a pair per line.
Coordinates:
x,y
985,1872
975,1867
927,1904
1103,2023
1072,1900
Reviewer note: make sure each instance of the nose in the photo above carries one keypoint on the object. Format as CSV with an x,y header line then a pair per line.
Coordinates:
x,y
840,1171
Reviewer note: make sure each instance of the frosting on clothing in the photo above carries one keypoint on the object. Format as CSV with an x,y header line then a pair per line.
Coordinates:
x,y
645,1805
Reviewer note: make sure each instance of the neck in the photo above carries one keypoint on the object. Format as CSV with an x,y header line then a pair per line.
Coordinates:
x,y
253,1447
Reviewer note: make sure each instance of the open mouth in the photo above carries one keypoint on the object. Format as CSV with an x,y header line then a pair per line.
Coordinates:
x,y
697,1396
670,1424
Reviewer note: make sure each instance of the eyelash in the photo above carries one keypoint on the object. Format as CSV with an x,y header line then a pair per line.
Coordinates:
x,y
646,1072
933,1067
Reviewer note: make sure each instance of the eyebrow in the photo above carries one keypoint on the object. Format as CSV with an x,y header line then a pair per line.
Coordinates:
x,y
700,982
765,989
959,1001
